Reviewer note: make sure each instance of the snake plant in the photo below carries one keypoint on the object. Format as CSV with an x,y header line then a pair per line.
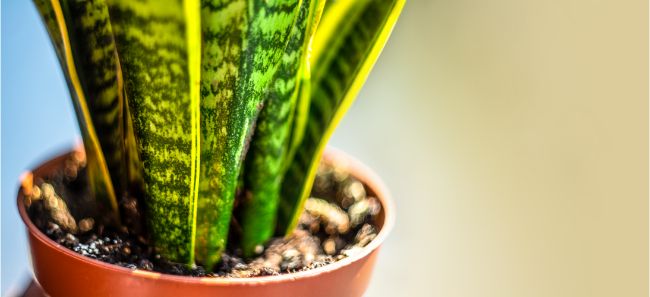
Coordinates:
x,y
188,106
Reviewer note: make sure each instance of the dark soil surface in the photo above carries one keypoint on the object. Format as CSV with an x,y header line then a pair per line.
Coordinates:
x,y
333,226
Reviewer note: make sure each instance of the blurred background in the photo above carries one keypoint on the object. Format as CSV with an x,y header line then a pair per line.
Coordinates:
x,y
513,136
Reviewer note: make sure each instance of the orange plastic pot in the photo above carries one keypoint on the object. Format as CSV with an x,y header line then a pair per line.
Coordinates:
x,y
61,272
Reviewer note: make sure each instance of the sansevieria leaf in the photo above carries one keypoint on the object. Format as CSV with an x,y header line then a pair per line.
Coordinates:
x,y
347,43
303,100
82,37
169,94
243,44
300,114
269,147
158,44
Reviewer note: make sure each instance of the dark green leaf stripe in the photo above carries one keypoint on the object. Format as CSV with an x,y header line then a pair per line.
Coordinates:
x,y
243,44
157,44
264,164
96,99
346,45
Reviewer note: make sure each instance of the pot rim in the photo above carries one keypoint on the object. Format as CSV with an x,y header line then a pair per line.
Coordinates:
x,y
354,166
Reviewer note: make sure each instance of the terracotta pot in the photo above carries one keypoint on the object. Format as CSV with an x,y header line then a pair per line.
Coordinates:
x,y
61,272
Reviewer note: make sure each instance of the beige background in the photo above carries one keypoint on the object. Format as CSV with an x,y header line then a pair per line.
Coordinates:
x,y
514,137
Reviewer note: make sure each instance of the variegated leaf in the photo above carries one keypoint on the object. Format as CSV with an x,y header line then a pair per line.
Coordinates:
x,y
269,148
244,41
82,38
158,44
347,43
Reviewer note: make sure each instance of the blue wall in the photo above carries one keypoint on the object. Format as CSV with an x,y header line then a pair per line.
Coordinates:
x,y
37,119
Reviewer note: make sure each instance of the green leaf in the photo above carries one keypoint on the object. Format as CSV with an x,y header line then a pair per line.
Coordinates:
x,y
49,18
301,108
269,147
346,45
168,93
82,37
243,44
299,116
158,44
